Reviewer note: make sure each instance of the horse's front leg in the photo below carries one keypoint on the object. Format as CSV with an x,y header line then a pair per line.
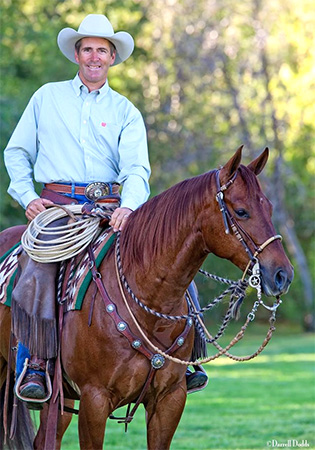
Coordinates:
x,y
93,413
163,417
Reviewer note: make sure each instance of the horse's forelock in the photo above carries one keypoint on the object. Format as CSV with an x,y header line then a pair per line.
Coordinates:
x,y
250,179
154,226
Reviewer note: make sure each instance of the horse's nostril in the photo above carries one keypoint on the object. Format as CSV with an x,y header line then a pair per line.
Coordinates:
x,y
281,279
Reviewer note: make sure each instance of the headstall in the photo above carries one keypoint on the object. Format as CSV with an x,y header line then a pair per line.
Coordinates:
x,y
231,223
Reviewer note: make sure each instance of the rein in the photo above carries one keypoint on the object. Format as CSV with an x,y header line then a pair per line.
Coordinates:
x,y
222,351
236,289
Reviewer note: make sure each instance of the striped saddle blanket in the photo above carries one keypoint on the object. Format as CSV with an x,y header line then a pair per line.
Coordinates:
x,y
8,272
78,281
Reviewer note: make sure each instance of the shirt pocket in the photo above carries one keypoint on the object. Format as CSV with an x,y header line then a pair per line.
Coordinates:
x,y
108,134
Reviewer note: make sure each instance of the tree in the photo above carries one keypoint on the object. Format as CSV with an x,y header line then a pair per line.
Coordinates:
x,y
208,76
225,73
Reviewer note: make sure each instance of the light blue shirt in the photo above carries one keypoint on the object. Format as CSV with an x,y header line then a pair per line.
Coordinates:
x,y
67,134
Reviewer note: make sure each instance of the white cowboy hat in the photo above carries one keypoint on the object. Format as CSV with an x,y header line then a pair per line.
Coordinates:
x,y
96,25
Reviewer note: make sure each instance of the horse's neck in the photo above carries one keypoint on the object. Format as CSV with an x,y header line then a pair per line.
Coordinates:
x,y
163,279
163,244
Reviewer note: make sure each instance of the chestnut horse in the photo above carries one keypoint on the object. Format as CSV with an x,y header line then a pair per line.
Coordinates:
x,y
162,246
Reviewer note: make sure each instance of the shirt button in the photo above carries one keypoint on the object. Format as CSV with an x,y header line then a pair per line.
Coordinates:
x,y
83,141
84,121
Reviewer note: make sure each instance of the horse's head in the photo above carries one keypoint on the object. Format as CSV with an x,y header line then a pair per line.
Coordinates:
x,y
245,231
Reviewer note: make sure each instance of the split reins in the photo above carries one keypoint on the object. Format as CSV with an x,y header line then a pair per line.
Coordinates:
x,y
237,290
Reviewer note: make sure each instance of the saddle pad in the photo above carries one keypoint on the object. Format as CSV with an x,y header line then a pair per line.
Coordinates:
x,y
80,281
8,271
82,276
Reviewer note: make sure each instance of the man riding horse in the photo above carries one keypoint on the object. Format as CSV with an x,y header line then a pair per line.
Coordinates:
x,y
81,140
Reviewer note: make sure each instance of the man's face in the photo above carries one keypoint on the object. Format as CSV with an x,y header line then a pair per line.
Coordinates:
x,y
94,59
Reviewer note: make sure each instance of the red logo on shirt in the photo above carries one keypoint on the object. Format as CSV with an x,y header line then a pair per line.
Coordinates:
x,y
103,124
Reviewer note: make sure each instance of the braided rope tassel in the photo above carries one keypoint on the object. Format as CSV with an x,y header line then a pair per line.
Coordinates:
x,y
61,274
70,278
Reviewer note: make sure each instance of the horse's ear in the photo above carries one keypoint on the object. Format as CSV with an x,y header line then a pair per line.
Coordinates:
x,y
229,169
259,163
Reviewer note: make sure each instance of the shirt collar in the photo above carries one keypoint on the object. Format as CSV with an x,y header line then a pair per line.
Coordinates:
x,y
77,85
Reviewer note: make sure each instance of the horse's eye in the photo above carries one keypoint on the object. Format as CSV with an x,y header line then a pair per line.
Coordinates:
x,y
242,213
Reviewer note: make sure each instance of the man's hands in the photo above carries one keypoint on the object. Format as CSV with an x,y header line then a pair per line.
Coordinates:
x,y
36,206
119,218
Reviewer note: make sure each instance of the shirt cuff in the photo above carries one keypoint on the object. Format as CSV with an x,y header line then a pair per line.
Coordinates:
x,y
27,198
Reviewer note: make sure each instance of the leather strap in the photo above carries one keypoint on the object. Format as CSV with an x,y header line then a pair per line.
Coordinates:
x,y
132,338
57,400
7,389
56,198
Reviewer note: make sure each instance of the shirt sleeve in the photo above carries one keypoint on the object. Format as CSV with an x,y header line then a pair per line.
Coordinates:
x,y
20,156
134,162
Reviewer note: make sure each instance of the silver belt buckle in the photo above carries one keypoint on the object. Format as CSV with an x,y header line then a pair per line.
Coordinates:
x,y
93,191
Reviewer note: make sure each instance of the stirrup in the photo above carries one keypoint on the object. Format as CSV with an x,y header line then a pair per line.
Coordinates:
x,y
19,382
203,386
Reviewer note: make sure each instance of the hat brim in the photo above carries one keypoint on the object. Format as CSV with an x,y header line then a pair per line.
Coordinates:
x,y
122,40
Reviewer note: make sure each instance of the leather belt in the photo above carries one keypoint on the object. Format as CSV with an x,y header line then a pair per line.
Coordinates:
x,y
92,190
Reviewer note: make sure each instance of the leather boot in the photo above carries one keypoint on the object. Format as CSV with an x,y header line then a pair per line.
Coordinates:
x,y
33,384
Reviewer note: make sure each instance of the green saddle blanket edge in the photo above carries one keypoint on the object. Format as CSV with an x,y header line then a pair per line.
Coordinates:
x,y
3,257
88,277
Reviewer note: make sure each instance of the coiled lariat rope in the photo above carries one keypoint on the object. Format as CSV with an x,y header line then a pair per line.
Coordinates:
x,y
61,242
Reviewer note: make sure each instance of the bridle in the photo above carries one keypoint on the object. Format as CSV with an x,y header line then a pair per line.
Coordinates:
x,y
231,223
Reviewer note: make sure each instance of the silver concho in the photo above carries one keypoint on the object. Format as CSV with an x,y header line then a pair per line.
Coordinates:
x,y
157,361
254,279
180,341
110,308
93,191
136,343
121,326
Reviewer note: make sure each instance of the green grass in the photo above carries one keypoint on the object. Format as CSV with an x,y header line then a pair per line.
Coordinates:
x,y
245,405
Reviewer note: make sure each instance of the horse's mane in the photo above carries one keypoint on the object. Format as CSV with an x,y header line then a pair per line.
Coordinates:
x,y
153,227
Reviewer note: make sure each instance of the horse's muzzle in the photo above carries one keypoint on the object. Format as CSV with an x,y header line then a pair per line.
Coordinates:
x,y
276,282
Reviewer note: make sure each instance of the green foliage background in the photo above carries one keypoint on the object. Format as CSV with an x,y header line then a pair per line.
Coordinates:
x,y
207,76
